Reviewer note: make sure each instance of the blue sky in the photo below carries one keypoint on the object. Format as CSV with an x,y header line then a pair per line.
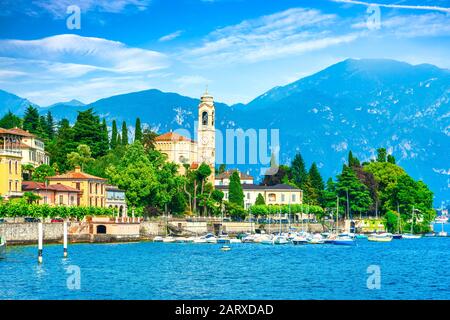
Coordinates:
x,y
239,48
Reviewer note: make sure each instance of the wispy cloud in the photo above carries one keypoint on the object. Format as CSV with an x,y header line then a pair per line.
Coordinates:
x,y
195,80
396,6
278,35
171,36
72,63
58,8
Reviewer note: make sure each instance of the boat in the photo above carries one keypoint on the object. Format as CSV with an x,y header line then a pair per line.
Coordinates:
x,y
442,233
169,240
344,240
235,240
361,236
2,247
225,248
397,236
316,239
158,239
223,238
411,236
280,240
180,240
299,239
381,237
266,240
430,235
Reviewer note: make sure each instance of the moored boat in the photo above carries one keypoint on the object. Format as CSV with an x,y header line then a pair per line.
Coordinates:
x,y
169,240
280,240
299,240
397,236
382,237
344,241
235,240
223,239
158,239
411,236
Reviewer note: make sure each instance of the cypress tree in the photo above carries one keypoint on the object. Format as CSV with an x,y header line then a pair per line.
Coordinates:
x,y
88,131
124,134
260,200
298,171
50,126
235,188
138,130
114,140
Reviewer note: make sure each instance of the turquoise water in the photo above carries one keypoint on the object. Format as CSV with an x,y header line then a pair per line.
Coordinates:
x,y
409,269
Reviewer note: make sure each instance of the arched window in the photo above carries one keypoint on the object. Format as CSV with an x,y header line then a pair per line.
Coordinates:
x,y
10,167
212,118
205,118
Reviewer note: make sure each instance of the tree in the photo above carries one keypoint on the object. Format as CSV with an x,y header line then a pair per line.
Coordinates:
x,y
104,139
64,144
49,126
391,159
30,197
135,174
316,184
349,187
10,120
148,139
353,161
260,200
381,155
81,157
236,195
88,130
42,172
222,168
114,141
138,130
31,120
282,175
124,133
27,171
329,195
298,171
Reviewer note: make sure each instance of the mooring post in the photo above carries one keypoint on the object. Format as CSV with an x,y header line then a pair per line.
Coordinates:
x,y
65,238
40,241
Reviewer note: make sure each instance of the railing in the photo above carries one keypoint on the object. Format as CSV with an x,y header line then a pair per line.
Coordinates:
x,y
10,152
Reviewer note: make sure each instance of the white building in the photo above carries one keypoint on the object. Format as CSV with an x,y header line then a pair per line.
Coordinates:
x,y
223,179
33,149
280,194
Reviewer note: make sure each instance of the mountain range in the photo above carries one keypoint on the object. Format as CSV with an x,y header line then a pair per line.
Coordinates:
x,y
357,105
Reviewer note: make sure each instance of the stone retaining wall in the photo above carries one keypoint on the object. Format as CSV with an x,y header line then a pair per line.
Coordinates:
x,y
27,233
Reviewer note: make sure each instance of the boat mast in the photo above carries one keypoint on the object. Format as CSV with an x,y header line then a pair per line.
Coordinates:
x,y
412,222
337,216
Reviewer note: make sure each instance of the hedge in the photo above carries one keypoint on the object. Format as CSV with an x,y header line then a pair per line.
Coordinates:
x,y
263,210
46,211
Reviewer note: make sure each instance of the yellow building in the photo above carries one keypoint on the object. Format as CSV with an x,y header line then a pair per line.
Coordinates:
x,y
92,188
10,164
33,148
182,150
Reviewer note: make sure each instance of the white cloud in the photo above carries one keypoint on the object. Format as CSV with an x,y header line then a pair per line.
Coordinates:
x,y
58,8
396,6
64,67
171,36
290,32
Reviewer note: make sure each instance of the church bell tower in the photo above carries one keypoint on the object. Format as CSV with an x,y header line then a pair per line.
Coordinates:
x,y
206,150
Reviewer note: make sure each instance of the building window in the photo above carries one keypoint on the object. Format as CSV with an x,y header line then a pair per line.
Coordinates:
x,y
61,199
205,118
293,198
10,167
282,197
72,200
248,195
10,185
17,185
272,197
15,165
45,200
77,186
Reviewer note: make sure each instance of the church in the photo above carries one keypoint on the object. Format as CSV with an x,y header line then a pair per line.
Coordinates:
x,y
185,151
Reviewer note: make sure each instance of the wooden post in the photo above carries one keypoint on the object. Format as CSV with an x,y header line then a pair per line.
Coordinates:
x,y
65,239
40,241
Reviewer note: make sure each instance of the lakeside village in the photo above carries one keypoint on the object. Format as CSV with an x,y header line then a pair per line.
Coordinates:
x,y
96,186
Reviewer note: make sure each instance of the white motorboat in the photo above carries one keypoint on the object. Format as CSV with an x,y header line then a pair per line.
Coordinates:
x,y
344,240
235,240
169,240
411,236
180,240
158,239
223,239
316,239
382,237
280,240
266,239
442,234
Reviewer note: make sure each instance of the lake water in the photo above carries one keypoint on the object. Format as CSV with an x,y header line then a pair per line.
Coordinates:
x,y
409,269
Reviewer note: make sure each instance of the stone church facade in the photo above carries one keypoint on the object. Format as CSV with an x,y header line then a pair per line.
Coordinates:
x,y
185,151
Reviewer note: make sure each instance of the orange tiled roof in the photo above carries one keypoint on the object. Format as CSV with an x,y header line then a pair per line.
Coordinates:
x,y
32,185
172,136
22,132
75,175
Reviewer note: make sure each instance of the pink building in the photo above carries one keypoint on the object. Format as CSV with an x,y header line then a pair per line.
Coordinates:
x,y
53,194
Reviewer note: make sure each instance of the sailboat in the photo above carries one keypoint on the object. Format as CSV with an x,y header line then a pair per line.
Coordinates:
x,y
412,235
342,239
398,235
442,233
280,238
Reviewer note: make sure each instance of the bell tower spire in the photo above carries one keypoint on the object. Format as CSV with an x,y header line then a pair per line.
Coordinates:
x,y
206,148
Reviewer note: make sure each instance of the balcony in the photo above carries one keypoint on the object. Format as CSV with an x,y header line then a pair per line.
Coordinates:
x,y
14,194
10,152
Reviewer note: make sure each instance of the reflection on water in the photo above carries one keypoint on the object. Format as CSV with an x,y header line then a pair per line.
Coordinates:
x,y
410,269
